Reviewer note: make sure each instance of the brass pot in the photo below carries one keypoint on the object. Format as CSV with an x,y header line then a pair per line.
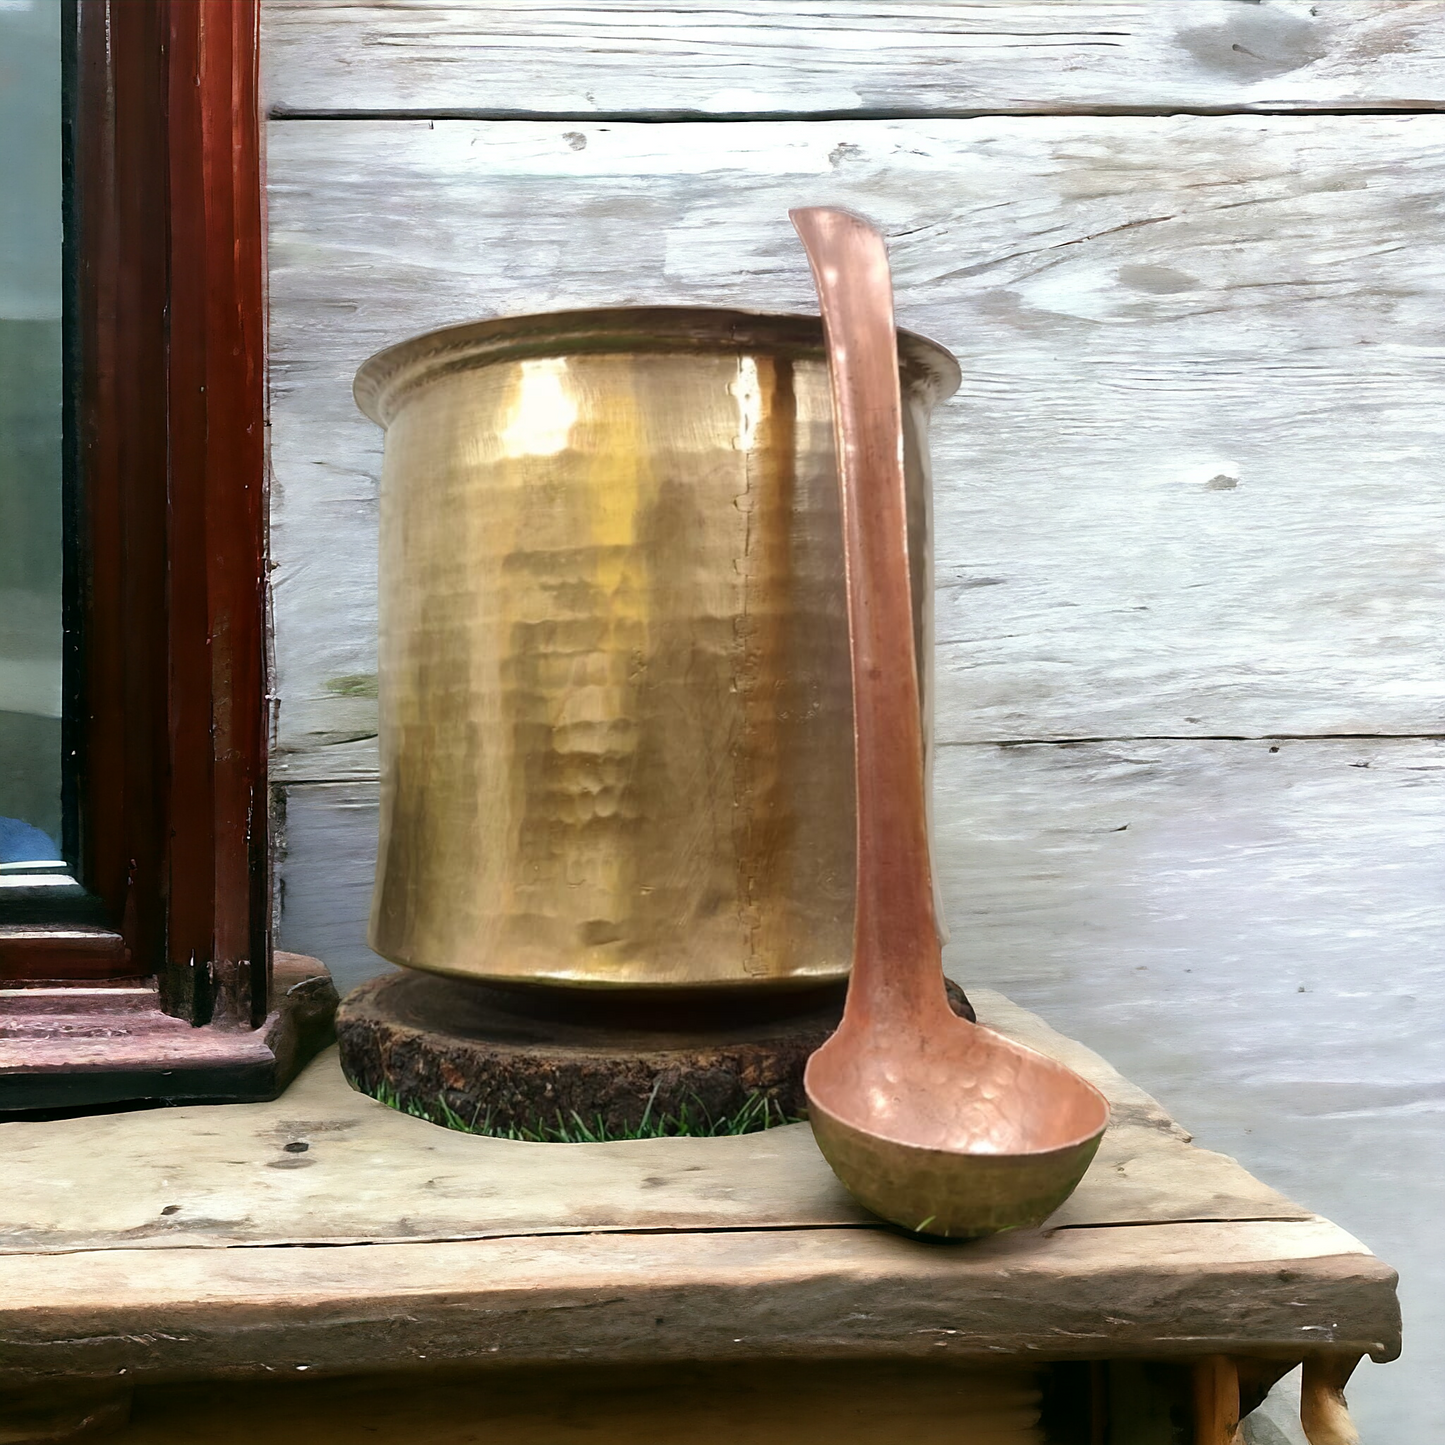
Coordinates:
x,y
616,716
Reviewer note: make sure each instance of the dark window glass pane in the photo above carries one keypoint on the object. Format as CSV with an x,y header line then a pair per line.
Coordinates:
x,y
30,429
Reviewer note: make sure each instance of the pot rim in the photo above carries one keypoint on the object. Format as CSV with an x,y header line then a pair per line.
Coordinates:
x,y
385,380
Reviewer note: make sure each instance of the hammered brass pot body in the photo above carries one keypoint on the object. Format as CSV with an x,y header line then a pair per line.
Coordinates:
x,y
616,717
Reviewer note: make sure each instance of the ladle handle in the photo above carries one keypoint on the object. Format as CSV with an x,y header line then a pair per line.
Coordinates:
x,y
896,956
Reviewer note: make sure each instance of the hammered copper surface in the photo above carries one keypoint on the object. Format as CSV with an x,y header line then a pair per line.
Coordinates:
x,y
616,732
935,1123
952,1130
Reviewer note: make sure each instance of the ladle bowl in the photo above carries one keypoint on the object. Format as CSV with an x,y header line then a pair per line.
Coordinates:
x,y
979,1135
937,1124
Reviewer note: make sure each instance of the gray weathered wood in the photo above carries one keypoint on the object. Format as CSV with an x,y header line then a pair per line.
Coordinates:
x,y
1147,311
1277,1285
799,56
198,1178
1189,486
1257,937
1143,894
1203,913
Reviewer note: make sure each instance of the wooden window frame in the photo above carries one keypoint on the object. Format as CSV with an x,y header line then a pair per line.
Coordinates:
x,y
166,714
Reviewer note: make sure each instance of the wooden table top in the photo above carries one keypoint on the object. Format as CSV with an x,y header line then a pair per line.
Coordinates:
x,y
164,1244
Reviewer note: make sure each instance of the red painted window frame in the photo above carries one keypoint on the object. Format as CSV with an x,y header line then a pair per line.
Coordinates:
x,y
166,708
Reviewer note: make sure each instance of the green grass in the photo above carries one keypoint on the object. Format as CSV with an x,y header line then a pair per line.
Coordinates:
x,y
691,1120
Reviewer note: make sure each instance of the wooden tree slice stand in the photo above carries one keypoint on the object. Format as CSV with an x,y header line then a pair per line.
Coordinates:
x,y
495,1059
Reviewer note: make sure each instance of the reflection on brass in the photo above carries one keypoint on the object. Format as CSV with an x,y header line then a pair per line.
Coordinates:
x,y
933,1122
616,724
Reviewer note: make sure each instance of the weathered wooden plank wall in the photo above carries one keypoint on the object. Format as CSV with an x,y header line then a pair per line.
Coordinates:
x,y
811,57
1189,499
1185,489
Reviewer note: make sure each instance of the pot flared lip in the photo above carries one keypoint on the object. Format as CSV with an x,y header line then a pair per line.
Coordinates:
x,y
386,379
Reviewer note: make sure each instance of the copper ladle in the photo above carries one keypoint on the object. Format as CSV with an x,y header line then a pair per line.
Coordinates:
x,y
937,1124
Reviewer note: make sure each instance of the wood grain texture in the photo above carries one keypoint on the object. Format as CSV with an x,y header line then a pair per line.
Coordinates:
x,y
217,962
1080,1293
798,56
1256,937
1216,1401
1324,1411
1189,486
762,1403
187,1178
166,686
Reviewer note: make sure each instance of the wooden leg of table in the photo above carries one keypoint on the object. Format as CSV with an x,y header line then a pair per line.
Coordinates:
x,y
1216,1401
1098,1402
1323,1412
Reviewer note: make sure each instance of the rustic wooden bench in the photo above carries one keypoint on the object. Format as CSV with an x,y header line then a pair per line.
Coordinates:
x,y
323,1267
